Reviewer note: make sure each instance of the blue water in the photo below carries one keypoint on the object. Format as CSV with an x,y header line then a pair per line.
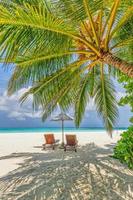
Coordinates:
x,y
34,130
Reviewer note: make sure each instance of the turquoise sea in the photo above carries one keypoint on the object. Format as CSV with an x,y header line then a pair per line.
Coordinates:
x,y
34,130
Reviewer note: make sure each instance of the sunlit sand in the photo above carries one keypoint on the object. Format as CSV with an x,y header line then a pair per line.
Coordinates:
x,y
29,173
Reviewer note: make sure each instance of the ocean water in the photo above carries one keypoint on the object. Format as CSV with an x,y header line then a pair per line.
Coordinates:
x,y
51,129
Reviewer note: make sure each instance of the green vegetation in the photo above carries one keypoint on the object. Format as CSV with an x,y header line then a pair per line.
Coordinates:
x,y
62,50
124,148
128,98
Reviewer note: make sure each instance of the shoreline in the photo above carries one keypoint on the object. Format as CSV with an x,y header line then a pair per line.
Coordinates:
x,y
54,129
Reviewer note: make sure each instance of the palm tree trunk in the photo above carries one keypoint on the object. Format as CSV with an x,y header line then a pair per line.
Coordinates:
x,y
123,66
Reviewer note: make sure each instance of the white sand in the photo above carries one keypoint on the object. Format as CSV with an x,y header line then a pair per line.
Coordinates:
x,y
27,142
27,172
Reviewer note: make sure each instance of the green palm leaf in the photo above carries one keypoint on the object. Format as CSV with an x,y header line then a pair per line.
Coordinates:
x,y
82,98
111,20
105,101
123,43
53,89
56,48
127,15
38,19
85,2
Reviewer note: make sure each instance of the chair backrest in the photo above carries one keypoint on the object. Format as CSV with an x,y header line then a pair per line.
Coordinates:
x,y
49,138
71,139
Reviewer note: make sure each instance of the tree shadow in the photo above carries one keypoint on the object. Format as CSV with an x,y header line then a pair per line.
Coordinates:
x,y
89,174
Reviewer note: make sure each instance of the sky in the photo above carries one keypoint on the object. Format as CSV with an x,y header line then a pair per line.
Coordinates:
x,y
13,115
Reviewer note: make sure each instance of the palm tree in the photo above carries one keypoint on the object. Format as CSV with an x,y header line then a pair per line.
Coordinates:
x,y
67,51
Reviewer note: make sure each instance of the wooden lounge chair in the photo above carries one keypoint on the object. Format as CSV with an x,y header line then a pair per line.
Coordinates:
x,y
71,143
50,141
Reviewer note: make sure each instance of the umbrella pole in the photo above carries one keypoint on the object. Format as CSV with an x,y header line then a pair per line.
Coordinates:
x,y
62,133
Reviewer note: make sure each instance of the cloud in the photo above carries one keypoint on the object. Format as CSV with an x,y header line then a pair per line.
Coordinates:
x,y
14,110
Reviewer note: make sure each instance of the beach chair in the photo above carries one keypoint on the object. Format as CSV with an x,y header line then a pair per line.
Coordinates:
x,y
50,141
71,143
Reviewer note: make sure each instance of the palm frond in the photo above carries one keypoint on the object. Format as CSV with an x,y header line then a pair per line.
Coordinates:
x,y
123,43
56,47
27,16
126,16
41,58
86,6
18,37
82,98
50,91
74,12
100,21
113,72
85,89
111,21
105,101
24,76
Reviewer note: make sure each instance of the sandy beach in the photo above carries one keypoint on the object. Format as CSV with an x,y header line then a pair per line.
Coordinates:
x,y
29,173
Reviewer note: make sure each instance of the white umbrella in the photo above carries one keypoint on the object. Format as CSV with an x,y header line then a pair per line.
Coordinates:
x,y
62,117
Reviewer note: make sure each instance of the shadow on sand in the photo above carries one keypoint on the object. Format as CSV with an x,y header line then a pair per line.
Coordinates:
x,y
89,174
